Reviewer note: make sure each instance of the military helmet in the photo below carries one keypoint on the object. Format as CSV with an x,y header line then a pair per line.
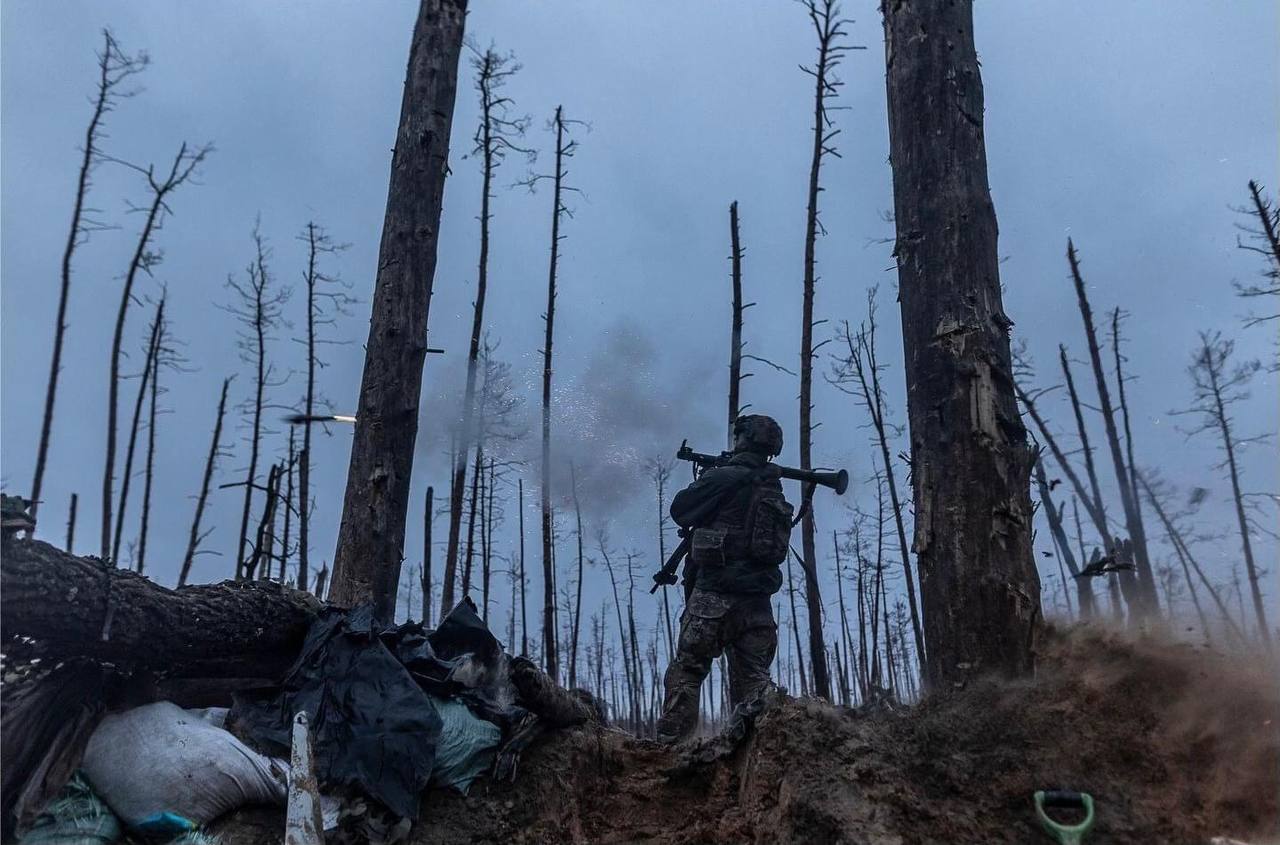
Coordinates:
x,y
761,434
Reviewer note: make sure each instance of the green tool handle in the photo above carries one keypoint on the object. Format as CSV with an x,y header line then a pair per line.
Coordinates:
x,y
1066,834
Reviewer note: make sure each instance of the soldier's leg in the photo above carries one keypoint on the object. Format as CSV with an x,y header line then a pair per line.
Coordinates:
x,y
751,650
700,642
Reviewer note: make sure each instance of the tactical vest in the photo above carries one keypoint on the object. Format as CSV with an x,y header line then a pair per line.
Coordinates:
x,y
753,527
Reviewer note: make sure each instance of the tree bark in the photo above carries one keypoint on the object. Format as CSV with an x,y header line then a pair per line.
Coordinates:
x,y
549,657
375,507
72,606
194,539
735,332
970,460
71,523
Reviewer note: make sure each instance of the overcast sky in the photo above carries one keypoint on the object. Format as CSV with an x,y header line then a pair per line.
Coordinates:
x,y
1132,127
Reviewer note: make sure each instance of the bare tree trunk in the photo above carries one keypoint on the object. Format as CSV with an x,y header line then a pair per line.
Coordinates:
x,y
735,333
844,616
153,346
795,630
1082,432
375,507
577,603
288,509
866,367
524,598
1209,371
549,657
259,559
486,536
827,26
193,541
471,524
114,67
1185,556
144,260
1128,496
71,524
1084,593
149,466
970,460
426,557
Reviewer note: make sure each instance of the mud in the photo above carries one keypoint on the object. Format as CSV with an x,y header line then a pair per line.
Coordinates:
x,y
1176,744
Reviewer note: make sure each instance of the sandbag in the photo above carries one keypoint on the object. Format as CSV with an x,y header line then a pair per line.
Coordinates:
x,y
163,769
467,745
76,817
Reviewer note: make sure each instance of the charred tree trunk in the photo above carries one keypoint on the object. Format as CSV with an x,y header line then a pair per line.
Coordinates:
x,y
149,465
193,541
375,506
1084,592
824,15
114,67
71,523
577,602
795,629
426,557
288,510
970,460
153,345
476,494
1186,558
144,261
1128,496
735,332
524,598
549,657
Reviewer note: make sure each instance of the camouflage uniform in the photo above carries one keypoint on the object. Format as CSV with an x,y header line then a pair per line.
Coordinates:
x,y
728,608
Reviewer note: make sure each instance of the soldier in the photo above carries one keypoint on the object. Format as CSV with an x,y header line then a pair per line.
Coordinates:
x,y
741,527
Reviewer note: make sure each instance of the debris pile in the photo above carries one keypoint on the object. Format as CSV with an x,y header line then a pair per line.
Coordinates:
x,y
1174,743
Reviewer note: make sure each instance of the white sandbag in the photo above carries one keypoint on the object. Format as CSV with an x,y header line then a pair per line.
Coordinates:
x,y
160,761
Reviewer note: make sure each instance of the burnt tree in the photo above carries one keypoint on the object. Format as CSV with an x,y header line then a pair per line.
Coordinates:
x,y
970,459
375,506
326,298
114,68
215,449
735,330
493,140
143,261
144,380
824,15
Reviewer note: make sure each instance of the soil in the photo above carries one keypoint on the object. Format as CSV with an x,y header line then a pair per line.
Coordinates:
x,y
1177,744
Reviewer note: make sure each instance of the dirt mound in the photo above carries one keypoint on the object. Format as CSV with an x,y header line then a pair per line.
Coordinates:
x,y
1176,744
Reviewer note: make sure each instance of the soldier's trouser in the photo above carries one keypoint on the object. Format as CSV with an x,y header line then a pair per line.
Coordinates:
x,y
742,627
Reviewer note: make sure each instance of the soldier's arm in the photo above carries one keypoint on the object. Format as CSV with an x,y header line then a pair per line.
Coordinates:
x,y
697,503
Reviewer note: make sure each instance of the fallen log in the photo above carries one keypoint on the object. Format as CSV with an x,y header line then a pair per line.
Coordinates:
x,y
54,606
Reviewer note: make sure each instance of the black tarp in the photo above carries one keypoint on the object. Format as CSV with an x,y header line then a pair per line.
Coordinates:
x,y
364,689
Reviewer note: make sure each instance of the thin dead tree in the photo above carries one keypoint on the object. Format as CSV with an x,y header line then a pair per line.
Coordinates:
x,y
846,634
602,543
735,332
1184,555
164,356
494,138
860,367
215,451
375,506
524,582
970,459
1149,604
144,379
71,523
258,306
795,627
144,260
828,27
115,67
1084,591
565,148
427,516
659,469
1217,384
577,601
1262,236
286,536
327,299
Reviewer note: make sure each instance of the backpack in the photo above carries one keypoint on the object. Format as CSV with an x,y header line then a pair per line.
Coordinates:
x,y
759,533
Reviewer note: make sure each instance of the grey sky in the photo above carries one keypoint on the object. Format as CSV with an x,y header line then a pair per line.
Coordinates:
x,y
1132,127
